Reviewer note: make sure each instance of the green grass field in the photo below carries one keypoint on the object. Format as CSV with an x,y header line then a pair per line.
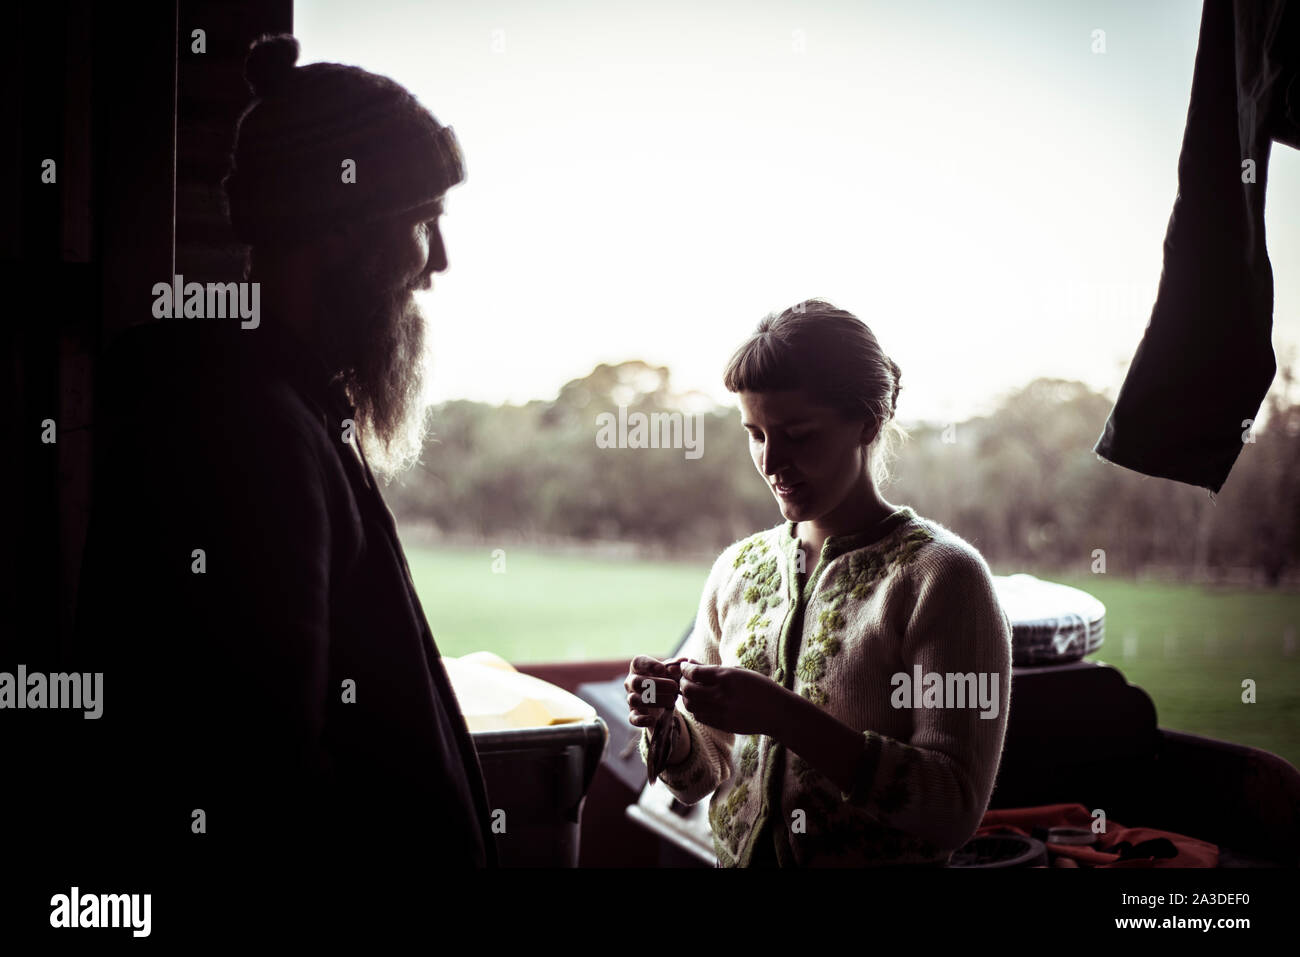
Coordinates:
x,y
554,607
1188,646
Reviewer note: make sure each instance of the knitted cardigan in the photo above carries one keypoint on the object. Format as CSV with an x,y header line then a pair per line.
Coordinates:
x,y
895,635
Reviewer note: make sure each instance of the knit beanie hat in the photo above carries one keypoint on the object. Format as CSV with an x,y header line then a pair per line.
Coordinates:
x,y
287,181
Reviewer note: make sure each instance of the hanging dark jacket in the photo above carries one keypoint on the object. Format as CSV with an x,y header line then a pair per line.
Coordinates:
x,y
244,591
1206,360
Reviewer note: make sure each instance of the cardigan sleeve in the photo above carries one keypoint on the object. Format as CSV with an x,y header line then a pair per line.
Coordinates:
x,y
937,784
709,762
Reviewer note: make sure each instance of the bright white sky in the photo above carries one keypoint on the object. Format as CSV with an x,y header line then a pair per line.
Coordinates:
x,y
646,180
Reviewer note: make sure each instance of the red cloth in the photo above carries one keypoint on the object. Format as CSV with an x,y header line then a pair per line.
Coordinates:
x,y
1022,820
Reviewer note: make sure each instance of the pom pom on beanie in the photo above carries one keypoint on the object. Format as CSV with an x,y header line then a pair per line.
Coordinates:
x,y
327,145
270,63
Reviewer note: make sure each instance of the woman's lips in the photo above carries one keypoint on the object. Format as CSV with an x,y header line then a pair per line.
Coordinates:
x,y
788,490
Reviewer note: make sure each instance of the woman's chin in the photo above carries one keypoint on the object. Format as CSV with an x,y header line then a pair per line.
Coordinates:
x,y
793,511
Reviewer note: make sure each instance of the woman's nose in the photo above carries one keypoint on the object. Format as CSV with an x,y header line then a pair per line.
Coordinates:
x,y
774,458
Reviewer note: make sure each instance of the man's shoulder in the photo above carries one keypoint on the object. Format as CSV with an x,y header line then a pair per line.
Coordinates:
x,y
207,377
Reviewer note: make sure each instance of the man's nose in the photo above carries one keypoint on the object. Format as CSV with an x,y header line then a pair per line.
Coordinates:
x,y
437,252
435,262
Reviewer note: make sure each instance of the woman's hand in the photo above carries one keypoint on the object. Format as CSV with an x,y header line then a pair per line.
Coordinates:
x,y
652,697
735,700
651,687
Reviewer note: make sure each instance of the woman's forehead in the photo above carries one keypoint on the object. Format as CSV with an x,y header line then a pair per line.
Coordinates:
x,y
782,406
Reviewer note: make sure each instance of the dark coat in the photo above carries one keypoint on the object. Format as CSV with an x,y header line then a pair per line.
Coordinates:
x,y
1206,360
232,681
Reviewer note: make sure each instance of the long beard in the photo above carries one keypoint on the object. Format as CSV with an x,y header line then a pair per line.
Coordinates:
x,y
374,336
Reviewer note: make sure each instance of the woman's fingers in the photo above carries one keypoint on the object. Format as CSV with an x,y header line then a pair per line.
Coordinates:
x,y
652,688
643,720
646,672
647,694
696,694
646,665
704,674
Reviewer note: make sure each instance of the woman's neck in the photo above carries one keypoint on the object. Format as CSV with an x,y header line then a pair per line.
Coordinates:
x,y
862,510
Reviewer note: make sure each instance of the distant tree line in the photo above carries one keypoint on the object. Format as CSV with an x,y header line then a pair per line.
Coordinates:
x,y
1022,484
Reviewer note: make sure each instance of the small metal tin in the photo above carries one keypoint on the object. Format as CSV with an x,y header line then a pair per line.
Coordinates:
x,y
1079,836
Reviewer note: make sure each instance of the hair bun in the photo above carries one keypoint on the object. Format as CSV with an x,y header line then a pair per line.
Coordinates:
x,y
270,61
898,376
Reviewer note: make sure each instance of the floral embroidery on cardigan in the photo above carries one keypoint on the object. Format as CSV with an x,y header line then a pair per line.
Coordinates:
x,y
761,572
752,652
723,816
749,758
856,578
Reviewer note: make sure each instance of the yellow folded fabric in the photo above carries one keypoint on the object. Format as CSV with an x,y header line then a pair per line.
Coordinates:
x,y
493,696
